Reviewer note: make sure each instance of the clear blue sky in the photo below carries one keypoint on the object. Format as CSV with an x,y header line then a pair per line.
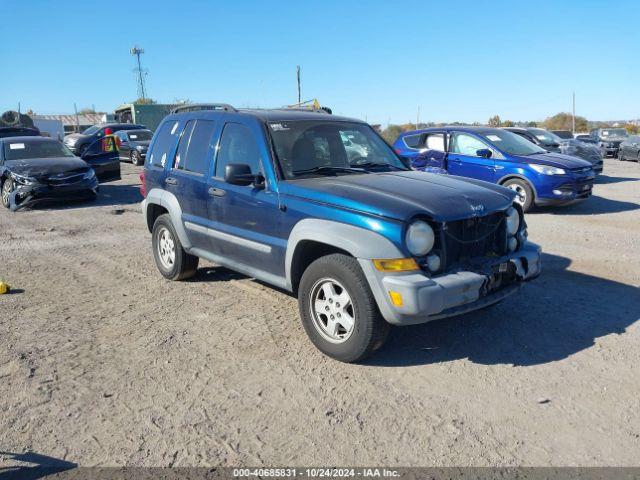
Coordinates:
x,y
456,60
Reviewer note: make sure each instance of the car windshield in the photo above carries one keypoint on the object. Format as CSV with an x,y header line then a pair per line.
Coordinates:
x,y
312,147
91,130
564,134
614,132
545,136
24,149
511,143
139,135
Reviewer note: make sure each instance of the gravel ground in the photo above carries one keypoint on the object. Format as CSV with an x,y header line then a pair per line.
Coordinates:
x,y
103,362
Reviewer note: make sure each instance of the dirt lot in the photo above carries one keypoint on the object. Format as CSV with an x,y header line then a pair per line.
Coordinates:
x,y
103,362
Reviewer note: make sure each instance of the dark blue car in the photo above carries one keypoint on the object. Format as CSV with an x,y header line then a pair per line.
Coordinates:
x,y
498,156
321,206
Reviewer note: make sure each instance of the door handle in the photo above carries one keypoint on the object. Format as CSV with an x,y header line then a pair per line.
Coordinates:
x,y
171,181
216,192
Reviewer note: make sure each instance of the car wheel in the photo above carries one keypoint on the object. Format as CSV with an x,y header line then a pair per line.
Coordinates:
x,y
7,188
136,158
82,149
338,310
171,259
525,195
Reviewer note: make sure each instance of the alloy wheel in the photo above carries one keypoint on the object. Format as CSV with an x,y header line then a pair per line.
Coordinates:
x,y
332,310
166,248
521,192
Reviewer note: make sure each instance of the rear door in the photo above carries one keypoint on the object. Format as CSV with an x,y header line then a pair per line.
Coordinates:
x,y
634,147
433,155
245,219
464,161
187,178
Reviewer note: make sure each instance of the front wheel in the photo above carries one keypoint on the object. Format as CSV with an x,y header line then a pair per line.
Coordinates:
x,y
7,188
136,158
171,259
525,196
338,310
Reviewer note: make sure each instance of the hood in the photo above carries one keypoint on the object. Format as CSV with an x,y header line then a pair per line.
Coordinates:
x,y
75,137
554,160
141,143
403,195
37,167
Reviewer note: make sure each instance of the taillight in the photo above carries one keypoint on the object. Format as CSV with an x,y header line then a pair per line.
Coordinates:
x,y
398,151
143,185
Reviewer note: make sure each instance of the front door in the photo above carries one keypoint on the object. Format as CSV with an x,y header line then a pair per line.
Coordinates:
x,y
464,161
102,155
244,218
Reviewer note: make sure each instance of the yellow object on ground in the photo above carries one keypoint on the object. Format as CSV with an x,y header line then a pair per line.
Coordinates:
x,y
4,288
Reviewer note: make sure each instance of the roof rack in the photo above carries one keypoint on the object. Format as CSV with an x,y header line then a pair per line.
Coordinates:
x,y
194,107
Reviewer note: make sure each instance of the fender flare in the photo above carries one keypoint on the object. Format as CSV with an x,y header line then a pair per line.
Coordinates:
x,y
521,177
168,200
357,241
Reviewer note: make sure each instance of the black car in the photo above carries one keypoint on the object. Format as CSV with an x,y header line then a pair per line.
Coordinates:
x,y
134,145
78,142
586,138
609,139
33,169
630,148
6,132
553,143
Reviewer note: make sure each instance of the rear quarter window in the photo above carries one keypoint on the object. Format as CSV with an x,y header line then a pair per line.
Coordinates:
x,y
412,141
164,144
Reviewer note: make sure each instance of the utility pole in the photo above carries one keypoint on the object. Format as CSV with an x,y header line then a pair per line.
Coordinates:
x,y
418,118
75,108
573,115
141,90
298,75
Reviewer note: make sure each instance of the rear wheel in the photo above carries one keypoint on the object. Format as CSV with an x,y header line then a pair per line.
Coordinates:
x,y
525,196
7,188
171,259
338,310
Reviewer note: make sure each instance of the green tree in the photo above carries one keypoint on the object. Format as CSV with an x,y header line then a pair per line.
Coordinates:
x,y
86,110
495,121
563,121
145,101
508,123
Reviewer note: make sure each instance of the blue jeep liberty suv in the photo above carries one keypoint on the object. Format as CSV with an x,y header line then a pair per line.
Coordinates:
x,y
321,206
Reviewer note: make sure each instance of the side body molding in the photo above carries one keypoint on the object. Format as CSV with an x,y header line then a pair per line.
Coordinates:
x,y
168,200
359,242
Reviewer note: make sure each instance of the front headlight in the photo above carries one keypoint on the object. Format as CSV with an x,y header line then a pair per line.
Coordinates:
x,y
420,238
22,180
139,148
547,170
513,221
90,174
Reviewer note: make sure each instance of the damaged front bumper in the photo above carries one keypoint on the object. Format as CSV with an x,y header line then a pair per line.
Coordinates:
x,y
425,299
27,195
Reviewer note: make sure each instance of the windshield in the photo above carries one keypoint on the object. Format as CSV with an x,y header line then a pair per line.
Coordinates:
x,y
312,147
140,135
614,132
24,149
511,143
91,130
545,136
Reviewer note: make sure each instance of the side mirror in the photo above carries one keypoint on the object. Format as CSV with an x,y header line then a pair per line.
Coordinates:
x,y
484,153
240,174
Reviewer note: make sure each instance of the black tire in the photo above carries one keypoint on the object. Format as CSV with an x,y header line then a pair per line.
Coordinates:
x,y
82,149
184,265
518,184
369,330
9,184
135,158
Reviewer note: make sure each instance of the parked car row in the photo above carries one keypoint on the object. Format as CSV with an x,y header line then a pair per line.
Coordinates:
x,y
321,206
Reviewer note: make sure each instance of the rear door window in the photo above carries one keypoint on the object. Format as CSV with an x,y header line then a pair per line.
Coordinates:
x,y
193,150
164,144
435,142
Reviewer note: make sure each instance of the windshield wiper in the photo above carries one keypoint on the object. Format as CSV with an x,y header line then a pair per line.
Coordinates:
x,y
327,169
375,164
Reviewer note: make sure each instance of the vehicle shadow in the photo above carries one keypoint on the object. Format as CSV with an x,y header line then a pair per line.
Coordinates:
x,y
43,466
109,195
606,179
555,316
215,274
591,206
